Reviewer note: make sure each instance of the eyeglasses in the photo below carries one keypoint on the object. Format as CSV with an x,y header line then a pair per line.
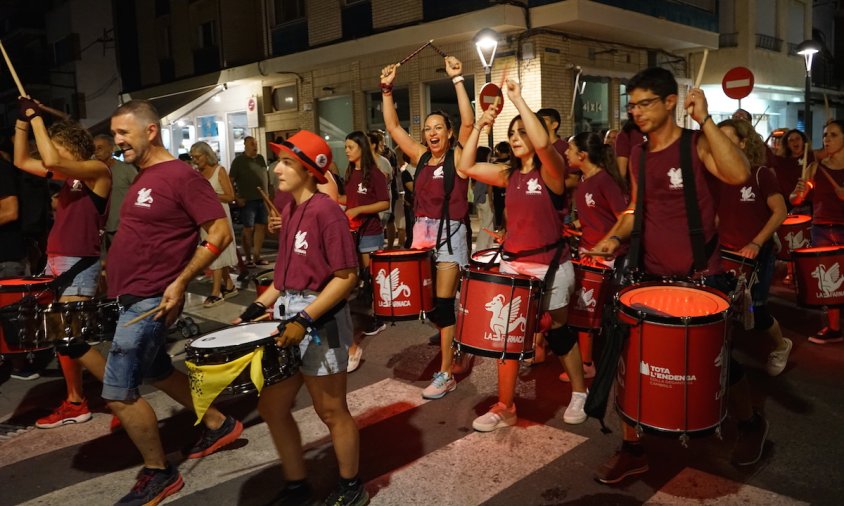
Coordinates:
x,y
195,157
642,104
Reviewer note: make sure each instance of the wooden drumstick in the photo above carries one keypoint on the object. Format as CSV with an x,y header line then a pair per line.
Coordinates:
x,y
604,254
435,48
269,203
21,91
699,74
805,173
265,316
827,114
574,92
143,316
411,55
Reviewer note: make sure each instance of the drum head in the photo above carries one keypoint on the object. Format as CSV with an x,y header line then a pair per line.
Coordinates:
x,y
674,301
235,336
486,255
24,284
797,219
400,255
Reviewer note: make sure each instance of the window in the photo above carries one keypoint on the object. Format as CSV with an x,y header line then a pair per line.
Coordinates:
x,y
591,111
285,98
207,34
288,10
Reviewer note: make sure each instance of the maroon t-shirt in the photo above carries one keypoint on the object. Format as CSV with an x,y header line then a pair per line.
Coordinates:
x,y
159,228
76,231
429,192
599,202
314,243
358,194
281,200
625,141
533,219
828,208
788,171
666,241
743,209
561,146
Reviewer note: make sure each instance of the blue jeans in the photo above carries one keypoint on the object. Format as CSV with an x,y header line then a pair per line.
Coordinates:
x,y
137,353
425,236
253,212
84,284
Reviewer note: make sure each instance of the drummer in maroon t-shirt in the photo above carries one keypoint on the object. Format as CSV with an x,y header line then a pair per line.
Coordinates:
x,y
666,244
153,257
82,205
748,216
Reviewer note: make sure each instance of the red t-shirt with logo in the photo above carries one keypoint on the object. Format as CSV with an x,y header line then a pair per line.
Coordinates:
x,y
599,202
358,194
281,200
666,241
159,228
76,231
625,141
788,171
314,243
743,209
828,208
533,219
561,146
429,192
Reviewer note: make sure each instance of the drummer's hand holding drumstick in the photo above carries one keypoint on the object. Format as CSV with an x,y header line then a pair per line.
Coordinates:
x,y
697,106
800,191
274,223
171,303
606,248
453,67
750,251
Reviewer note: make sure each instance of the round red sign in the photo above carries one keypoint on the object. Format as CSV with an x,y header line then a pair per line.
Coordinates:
x,y
737,82
251,104
487,96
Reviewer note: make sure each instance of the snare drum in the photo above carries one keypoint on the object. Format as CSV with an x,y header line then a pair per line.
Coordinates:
x,y
592,285
224,346
263,280
817,273
402,283
498,314
672,374
69,321
736,264
794,233
20,330
486,259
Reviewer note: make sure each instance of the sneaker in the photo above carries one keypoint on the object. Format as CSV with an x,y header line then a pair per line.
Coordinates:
x,y
212,440
153,486
440,385
354,359
348,496
778,359
498,417
64,414
623,464
462,364
588,373
212,300
228,294
826,336
751,440
376,327
25,374
574,412
115,424
294,494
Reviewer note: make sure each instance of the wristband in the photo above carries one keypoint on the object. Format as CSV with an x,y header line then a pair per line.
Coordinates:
x,y
386,89
707,118
758,246
48,174
457,79
305,316
617,238
253,311
210,247
476,128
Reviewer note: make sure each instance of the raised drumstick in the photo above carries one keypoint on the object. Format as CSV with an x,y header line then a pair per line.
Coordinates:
x,y
17,80
269,203
435,48
699,74
805,172
411,55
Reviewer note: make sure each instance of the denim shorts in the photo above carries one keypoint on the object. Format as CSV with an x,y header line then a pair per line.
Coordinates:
x,y
318,359
562,286
84,284
370,243
253,212
425,237
137,353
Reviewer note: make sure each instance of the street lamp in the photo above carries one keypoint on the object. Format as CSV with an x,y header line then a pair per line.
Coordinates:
x,y
486,43
807,49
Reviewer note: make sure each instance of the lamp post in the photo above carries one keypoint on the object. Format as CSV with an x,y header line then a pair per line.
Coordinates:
x,y
486,43
807,49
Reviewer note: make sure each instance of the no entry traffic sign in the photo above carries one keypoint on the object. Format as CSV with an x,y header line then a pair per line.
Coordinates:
x,y
738,82
487,96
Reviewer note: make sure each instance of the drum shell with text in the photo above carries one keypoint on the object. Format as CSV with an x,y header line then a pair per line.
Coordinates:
x,y
497,314
20,297
402,283
736,264
795,232
672,373
231,343
591,288
818,275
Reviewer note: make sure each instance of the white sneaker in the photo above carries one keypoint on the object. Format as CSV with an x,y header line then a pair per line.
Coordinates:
x,y
574,413
498,417
440,385
354,359
778,359
588,373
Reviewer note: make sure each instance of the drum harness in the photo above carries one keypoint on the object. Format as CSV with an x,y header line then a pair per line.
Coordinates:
x,y
449,175
615,331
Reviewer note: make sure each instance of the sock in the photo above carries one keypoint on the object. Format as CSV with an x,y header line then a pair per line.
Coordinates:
x,y
350,483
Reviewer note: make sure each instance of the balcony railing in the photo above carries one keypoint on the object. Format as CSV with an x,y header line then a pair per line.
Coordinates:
x,y
767,42
792,48
728,40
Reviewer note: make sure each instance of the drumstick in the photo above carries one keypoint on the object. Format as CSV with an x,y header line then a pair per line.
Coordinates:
x,y
574,92
143,316
12,71
826,109
411,55
269,203
495,236
572,231
805,174
435,48
699,74
265,316
604,254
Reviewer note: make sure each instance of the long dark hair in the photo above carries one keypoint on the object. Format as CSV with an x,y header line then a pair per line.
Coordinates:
x,y
601,155
785,149
367,161
515,161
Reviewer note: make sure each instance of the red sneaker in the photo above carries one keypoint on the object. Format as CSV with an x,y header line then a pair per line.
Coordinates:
x,y
115,424
212,440
64,414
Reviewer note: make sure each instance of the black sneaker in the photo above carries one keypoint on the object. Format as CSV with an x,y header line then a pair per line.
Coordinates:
x,y
153,486
827,336
376,327
294,494
212,440
751,440
623,464
348,496
25,374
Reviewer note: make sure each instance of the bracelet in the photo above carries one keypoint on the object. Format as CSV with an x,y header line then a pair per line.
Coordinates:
x,y
253,311
386,89
617,238
210,247
758,246
48,174
457,79
22,129
304,314
476,128
707,118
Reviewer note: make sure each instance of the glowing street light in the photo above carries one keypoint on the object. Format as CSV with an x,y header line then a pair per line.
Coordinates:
x,y
808,49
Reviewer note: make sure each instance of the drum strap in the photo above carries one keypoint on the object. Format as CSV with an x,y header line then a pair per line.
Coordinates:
x,y
449,173
64,279
634,257
696,233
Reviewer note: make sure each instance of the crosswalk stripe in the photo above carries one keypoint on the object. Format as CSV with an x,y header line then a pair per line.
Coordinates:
x,y
475,468
692,486
369,405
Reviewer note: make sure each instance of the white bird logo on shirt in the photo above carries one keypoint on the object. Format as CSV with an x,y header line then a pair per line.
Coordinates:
x,y
589,200
498,322
747,194
301,244
144,198
438,172
828,280
392,288
676,178
533,186
361,189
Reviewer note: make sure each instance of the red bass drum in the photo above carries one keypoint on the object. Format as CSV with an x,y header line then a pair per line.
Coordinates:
x,y
402,283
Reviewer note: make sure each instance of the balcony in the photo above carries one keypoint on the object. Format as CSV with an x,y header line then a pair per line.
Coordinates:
x,y
768,42
703,15
290,37
728,40
357,20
